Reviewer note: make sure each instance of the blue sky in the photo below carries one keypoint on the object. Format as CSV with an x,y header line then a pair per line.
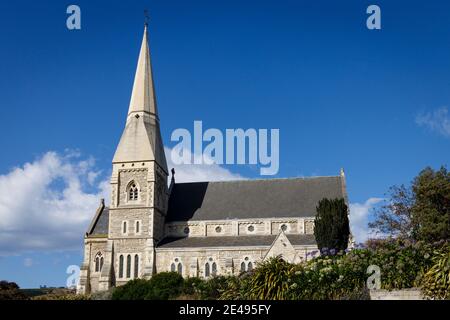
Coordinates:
x,y
374,102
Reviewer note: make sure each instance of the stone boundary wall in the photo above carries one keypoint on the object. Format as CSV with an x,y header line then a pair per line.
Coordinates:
x,y
404,294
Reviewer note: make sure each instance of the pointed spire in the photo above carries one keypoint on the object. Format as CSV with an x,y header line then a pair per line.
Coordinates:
x,y
143,98
141,139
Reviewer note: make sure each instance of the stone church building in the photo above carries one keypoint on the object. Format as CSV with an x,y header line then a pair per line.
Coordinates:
x,y
198,229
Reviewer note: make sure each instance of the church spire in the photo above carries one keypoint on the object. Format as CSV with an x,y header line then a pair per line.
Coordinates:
x,y
143,98
141,140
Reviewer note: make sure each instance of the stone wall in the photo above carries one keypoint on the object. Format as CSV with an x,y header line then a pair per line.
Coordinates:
x,y
217,228
405,294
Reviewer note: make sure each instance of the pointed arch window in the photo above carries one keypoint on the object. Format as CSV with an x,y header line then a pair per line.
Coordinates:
x,y
210,268
207,269
128,266
246,265
121,266
98,262
136,266
124,227
177,266
214,269
133,192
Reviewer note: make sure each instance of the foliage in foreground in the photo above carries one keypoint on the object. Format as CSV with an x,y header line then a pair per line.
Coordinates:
x,y
436,282
341,276
170,285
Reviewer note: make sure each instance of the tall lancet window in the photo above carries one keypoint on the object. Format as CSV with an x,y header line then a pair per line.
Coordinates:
x,y
98,262
128,266
136,266
121,266
133,192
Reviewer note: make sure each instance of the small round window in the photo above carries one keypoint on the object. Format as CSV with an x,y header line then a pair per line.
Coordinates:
x,y
186,230
283,227
251,228
218,229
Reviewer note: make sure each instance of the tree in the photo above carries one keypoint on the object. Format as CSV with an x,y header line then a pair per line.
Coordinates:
x,y
431,209
394,217
420,211
11,291
331,225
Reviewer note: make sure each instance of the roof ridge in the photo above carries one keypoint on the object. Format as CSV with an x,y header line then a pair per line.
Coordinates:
x,y
261,179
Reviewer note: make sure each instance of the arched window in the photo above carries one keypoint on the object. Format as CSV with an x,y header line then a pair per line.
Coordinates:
x,y
136,266
246,265
214,269
121,266
207,269
172,267
124,227
180,269
137,227
128,266
132,191
97,264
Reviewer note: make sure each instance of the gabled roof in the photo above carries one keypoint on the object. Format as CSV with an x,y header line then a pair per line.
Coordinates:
x,y
233,241
246,199
100,222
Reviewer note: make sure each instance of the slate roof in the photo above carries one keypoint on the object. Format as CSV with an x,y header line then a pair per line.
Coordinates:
x,y
233,241
270,198
100,223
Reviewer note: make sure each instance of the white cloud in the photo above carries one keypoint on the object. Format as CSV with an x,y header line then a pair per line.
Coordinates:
x,y
28,262
199,172
47,204
359,219
43,204
437,121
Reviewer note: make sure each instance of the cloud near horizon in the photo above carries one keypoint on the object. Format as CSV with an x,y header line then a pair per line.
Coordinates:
x,y
44,205
359,219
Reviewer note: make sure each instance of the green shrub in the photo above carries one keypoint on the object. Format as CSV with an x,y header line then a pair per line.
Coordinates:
x,y
436,281
270,280
192,286
136,289
164,286
212,288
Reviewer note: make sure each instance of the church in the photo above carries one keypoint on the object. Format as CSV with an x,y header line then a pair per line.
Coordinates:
x,y
198,229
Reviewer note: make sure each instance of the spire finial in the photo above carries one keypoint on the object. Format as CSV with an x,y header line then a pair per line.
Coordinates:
x,y
146,17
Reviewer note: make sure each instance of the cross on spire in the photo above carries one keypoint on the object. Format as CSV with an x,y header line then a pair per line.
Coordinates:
x,y
146,17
